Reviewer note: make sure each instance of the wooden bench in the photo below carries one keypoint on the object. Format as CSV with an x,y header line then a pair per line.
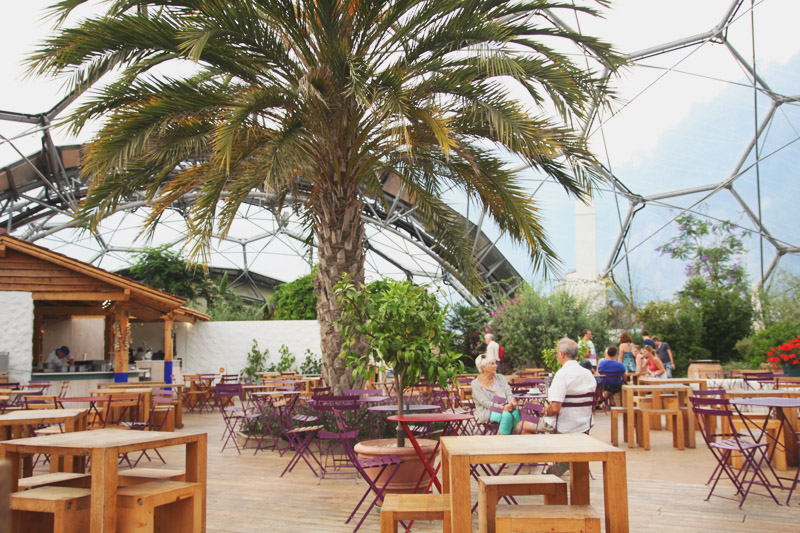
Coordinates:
x,y
50,509
562,518
57,479
644,417
134,476
159,506
490,488
398,507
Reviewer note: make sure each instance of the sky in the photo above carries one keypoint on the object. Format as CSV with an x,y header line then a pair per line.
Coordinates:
x,y
681,120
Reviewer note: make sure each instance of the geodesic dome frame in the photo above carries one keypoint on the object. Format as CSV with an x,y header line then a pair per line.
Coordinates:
x,y
39,193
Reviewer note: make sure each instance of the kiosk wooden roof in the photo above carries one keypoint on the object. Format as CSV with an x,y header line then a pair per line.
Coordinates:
x,y
67,287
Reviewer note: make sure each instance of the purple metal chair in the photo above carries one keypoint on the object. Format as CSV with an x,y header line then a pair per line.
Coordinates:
x,y
382,464
323,407
727,441
300,440
233,413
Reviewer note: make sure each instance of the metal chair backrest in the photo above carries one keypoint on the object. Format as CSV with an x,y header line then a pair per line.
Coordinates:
x,y
707,409
586,401
64,389
227,394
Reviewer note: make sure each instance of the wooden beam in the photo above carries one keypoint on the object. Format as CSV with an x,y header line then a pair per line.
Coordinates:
x,y
2,250
81,296
71,310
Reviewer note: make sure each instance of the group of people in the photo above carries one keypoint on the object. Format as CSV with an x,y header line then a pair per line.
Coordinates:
x,y
654,358
571,379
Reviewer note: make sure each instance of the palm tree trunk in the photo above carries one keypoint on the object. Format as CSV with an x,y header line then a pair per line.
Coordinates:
x,y
339,232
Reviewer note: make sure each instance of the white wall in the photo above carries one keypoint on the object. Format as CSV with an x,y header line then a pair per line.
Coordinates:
x,y
16,333
209,346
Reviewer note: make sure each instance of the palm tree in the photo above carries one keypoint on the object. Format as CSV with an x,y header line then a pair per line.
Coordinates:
x,y
317,102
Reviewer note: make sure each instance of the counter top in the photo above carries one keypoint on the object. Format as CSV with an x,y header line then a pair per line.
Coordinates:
x,y
60,376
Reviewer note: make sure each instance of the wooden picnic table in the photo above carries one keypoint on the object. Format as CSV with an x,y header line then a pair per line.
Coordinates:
x,y
16,425
682,391
701,383
459,453
145,399
104,447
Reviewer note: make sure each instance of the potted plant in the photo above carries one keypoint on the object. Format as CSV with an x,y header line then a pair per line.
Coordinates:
x,y
786,355
404,328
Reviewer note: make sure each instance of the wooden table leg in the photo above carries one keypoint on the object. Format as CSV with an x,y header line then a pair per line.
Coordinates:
x,y
579,483
13,461
196,461
615,491
104,490
630,429
688,420
655,422
788,418
460,505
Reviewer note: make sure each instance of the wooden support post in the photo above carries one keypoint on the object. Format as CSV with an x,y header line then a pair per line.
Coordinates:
x,y
120,346
168,348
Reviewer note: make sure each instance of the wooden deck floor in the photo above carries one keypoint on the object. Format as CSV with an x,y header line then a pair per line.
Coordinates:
x,y
665,487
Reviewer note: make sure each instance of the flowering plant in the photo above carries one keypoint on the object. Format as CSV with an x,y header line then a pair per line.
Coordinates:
x,y
787,354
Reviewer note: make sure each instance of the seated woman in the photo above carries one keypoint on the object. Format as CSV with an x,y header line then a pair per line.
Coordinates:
x,y
652,365
488,385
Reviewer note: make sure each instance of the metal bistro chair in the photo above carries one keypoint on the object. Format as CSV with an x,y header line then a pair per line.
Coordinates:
x,y
376,481
233,414
299,440
727,441
160,411
334,461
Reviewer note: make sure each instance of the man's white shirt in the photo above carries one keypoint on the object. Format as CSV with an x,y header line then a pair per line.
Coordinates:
x,y
571,379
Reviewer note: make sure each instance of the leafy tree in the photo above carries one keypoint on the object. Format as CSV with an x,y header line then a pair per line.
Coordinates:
x,y
712,251
169,271
295,300
316,102
405,328
256,361
780,300
529,323
230,306
680,324
466,323
717,282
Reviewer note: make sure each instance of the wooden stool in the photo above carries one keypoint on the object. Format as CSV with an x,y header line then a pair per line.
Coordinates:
x,y
644,417
615,412
159,506
51,509
562,518
56,479
398,507
134,476
670,401
490,488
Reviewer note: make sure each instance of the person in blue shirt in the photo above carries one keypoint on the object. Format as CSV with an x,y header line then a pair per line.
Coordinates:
x,y
610,365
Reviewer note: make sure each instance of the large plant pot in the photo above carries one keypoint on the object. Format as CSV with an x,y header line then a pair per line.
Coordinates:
x,y
793,371
405,480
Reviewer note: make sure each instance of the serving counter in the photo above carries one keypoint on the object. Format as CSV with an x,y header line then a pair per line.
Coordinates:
x,y
80,383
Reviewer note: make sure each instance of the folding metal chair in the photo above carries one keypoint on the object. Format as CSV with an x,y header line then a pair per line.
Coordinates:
x,y
233,414
723,443
300,440
587,401
386,467
156,419
348,410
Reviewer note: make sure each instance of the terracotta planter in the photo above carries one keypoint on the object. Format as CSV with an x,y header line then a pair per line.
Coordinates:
x,y
409,472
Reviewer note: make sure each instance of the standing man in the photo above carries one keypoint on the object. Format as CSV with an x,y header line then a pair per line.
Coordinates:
x,y
646,340
592,355
665,354
59,358
492,348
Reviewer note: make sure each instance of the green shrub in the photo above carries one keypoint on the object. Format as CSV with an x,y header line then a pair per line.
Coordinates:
x,y
529,323
754,348
256,361
286,362
679,324
296,300
312,363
